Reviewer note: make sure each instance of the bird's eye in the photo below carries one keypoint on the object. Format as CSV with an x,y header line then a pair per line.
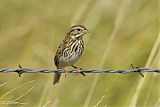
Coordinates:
x,y
78,29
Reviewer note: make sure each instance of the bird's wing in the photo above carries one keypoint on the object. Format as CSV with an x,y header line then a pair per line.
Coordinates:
x,y
59,53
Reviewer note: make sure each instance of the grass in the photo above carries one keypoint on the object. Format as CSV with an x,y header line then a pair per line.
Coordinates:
x,y
122,33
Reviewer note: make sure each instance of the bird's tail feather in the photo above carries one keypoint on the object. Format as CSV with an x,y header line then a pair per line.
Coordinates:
x,y
56,78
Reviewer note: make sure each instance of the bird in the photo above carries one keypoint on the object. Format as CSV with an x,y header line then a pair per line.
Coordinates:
x,y
70,50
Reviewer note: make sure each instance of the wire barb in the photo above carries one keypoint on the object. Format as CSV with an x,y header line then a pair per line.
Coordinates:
x,y
20,71
139,71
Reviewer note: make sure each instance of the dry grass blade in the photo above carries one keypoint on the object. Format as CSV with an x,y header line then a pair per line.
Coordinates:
x,y
23,94
46,103
3,84
11,103
15,89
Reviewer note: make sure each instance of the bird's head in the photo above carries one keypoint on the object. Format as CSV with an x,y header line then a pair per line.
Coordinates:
x,y
77,31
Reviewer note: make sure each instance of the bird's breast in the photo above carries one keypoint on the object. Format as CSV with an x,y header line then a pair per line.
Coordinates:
x,y
71,54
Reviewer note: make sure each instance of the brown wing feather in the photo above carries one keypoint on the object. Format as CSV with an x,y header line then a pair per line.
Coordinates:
x,y
59,53
56,62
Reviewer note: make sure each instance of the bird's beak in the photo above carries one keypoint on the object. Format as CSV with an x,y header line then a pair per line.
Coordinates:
x,y
86,31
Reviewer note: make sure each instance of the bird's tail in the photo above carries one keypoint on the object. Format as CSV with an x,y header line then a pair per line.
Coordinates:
x,y
56,78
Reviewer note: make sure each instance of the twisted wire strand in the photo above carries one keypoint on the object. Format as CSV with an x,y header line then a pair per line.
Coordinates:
x,y
29,70
21,70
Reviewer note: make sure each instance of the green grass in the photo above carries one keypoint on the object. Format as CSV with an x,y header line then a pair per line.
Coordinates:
x,y
122,33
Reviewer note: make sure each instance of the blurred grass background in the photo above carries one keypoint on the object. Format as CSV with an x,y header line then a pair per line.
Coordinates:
x,y
123,32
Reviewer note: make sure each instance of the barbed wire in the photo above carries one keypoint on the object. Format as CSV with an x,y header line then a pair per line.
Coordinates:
x,y
21,70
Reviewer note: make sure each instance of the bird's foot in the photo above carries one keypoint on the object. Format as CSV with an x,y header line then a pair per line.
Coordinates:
x,y
65,75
